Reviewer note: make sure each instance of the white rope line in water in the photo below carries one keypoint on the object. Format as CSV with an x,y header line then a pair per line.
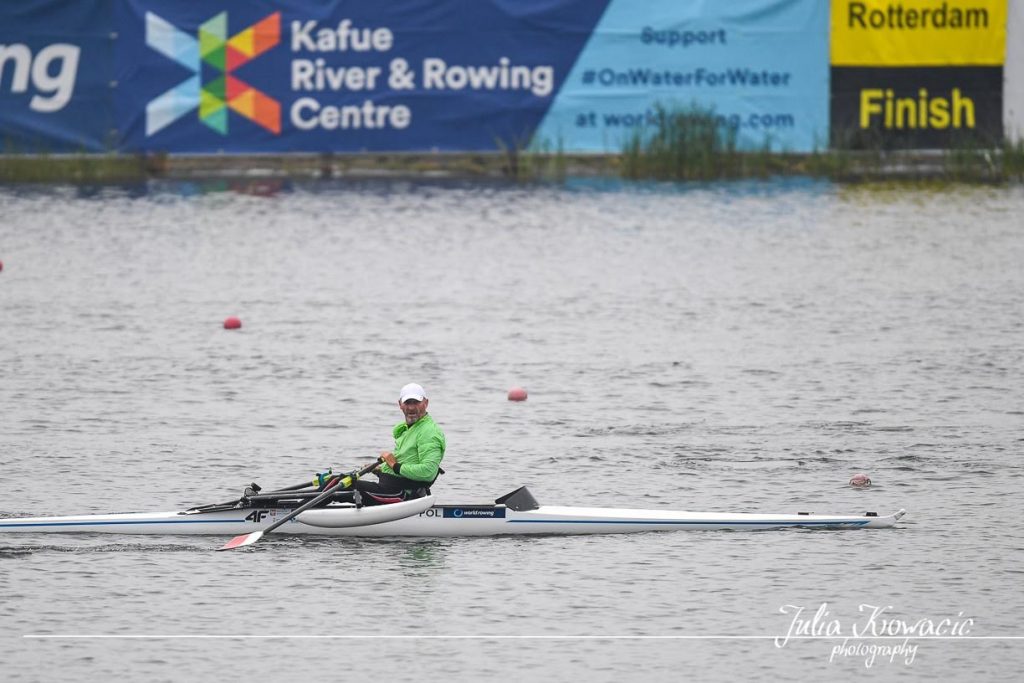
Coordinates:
x,y
369,636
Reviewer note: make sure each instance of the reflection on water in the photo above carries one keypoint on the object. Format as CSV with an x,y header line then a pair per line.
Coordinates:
x,y
255,187
425,554
269,186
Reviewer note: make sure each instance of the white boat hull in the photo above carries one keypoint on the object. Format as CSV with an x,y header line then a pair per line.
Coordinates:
x,y
344,516
439,521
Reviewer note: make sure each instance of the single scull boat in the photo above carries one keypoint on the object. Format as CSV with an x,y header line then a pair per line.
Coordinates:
x,y
515,513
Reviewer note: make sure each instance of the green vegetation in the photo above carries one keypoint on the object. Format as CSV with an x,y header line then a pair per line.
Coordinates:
x,y
1013,159
684,144
539,161
693,143
73,168
689,144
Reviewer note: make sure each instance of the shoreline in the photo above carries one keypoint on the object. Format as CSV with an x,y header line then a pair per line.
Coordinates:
x,y
974,165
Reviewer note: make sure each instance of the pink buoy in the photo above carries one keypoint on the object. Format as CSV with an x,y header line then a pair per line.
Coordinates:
x,y
232,323
860,481
517,394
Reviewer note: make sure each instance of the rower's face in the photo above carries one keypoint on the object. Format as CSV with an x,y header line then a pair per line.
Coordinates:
x,y
413,410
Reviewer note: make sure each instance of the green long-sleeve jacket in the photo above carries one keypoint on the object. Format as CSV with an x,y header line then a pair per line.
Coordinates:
x,y
418,450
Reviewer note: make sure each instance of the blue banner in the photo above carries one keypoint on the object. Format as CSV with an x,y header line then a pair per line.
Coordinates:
x,y
276,76
761,67
56,73
317,76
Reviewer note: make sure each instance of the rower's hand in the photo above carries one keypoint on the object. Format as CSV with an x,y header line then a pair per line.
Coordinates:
x,y
389,458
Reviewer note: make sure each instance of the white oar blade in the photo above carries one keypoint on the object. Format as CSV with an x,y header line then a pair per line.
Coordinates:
x,y
243,540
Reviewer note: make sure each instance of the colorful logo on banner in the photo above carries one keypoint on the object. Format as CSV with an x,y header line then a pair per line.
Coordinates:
x,y
213,96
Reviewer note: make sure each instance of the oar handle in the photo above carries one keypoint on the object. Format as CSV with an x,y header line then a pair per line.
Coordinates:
x,y
344,483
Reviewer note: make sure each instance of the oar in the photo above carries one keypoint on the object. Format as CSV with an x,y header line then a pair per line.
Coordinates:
x,y
270,495
318,480
323,479
250,538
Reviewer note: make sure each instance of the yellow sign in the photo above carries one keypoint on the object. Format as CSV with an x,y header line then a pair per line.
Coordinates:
x,y
918,32
878,106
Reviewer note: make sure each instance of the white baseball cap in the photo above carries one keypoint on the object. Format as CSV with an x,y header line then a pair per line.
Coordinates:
x,y
411,391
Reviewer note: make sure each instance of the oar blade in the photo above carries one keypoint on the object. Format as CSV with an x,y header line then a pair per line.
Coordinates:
x,y
242,541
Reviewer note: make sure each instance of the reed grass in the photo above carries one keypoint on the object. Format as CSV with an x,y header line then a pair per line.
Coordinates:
x,y
685,143
692,144
532,161
1012,159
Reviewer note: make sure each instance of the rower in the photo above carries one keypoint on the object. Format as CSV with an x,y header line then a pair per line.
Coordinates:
x,y
414,465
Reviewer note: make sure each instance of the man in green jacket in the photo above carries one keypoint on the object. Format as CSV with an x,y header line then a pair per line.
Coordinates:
x,y
409,470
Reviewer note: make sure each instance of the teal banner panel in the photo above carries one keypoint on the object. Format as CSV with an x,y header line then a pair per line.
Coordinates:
x,y
761,66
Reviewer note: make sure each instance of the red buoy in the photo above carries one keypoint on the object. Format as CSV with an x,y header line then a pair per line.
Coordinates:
x,y
517,394
1,266
860,481
232,323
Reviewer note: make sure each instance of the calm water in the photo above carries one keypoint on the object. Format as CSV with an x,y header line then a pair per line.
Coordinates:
x,y
744,347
